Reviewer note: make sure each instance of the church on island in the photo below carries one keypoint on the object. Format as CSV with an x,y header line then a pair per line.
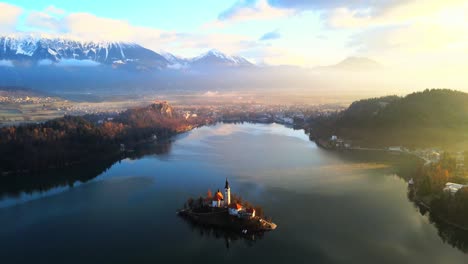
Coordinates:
x,y
224,201
225,210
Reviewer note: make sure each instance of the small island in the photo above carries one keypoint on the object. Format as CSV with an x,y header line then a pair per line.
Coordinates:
x,y
226,212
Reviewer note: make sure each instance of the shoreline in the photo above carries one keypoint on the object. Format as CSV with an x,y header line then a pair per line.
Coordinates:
x,y
438,217
419,202
221,219
110,153
317,141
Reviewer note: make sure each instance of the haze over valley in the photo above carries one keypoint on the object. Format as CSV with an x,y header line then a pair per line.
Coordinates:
x,y
64,66
247,131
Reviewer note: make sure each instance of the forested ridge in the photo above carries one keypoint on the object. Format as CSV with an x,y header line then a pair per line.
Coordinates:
x,y
75,139
428,118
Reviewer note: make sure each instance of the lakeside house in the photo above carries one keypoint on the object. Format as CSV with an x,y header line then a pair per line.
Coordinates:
x,y
453,187
395,148
339,143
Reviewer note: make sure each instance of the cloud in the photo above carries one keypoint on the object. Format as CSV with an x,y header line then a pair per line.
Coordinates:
x,y
44,21
69,63
337,13
397,12
45,62
6,63
444,29
178,66
51,19
268,55
268,9
77,63
244,10
54,10
270,35
329,4
211,93
9,17
89,27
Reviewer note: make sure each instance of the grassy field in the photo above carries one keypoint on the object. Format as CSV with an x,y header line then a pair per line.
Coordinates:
x,y
30,112
16,113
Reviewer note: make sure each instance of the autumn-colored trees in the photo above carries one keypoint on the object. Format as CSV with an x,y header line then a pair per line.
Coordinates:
x,y
432,178
430,181
112,129
72,139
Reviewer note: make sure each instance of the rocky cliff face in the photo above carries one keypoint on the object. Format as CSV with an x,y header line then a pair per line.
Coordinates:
x,y
163,108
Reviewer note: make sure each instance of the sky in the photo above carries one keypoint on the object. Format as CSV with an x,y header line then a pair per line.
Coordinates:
x,y
427,34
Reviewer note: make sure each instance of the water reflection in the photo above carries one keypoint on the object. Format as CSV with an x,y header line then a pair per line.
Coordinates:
x,y
227,236
449,234
13,186
355,203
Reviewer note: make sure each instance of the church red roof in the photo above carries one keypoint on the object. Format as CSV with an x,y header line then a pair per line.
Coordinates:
x,y
235,206
218,196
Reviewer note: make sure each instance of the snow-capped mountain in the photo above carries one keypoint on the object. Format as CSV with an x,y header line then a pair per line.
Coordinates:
x,y
59,65
49,51
209,60
53,50
215,58
175,62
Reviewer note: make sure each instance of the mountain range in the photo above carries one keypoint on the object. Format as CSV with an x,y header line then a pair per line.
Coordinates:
x,y
33,51
62,66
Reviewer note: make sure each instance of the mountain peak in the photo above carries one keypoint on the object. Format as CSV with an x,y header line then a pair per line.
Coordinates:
x,y
43,50
211,53
46,38
353,64
217,53
358,63
46,50
215,57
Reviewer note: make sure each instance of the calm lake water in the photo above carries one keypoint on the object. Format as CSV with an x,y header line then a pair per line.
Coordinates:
x,y
330,207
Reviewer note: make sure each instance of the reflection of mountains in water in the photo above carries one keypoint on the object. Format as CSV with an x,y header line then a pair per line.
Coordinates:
x,y
15,184
227,235
452,235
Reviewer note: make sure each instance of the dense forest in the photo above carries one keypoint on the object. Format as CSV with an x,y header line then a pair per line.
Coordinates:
x,y
74,140
436,117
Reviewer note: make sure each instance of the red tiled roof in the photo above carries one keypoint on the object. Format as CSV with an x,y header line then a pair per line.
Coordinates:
x,y
235,206
218,196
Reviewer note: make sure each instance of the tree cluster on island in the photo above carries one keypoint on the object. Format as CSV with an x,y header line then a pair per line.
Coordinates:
x,y
200,204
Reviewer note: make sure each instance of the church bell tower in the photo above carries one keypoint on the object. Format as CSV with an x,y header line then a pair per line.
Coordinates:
x,y
227,193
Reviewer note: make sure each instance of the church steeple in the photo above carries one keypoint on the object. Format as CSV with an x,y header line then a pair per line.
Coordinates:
x,y
227,193
227,184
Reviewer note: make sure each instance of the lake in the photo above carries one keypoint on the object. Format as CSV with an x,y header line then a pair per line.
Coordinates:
x,y
330,207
